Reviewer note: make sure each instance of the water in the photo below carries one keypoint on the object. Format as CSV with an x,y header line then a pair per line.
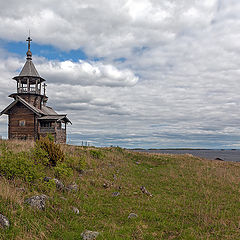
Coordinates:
x,y
226,155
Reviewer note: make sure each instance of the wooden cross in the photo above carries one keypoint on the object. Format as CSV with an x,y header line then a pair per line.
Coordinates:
x,y
29,40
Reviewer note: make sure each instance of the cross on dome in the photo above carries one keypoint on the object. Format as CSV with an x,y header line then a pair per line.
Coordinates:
x,y
29,53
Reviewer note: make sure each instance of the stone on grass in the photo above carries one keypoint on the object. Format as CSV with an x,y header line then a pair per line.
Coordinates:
x,y
75,210
89,235
4,222
59,184
37,201
132,215
144,190
115,194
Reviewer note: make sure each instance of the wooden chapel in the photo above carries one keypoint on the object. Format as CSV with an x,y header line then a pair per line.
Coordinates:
x,y
28,115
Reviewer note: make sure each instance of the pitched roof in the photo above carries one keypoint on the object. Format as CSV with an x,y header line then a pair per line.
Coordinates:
x,y
29,70
46,113
55,117
25,103
48,110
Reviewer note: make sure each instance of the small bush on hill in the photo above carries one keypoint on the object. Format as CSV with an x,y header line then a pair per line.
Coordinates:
x,y
50,151
97,154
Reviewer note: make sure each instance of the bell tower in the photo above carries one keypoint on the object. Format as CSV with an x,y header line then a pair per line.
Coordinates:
x,y
30,85
29,117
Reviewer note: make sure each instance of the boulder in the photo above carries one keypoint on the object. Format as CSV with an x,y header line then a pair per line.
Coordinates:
x,y
37,201
4,222
89,235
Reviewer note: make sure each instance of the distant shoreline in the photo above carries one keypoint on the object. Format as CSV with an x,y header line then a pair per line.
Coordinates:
x,y
179,149
231,155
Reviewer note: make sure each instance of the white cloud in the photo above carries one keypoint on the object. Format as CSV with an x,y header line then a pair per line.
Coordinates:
x,y
185,52
87,73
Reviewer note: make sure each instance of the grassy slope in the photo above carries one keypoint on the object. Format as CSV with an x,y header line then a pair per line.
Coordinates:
x,y
192,199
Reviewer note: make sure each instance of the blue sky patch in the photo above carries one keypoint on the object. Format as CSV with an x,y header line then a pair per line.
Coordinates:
x,y
47,51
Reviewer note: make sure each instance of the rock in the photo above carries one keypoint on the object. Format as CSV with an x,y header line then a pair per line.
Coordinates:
x,y
219,159
37,201
75,210
72,187
89,235
138,163
132,215
114,177
115,194
144,190
4,222
59,184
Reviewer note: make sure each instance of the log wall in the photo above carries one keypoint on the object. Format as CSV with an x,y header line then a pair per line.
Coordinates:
x,y
20,113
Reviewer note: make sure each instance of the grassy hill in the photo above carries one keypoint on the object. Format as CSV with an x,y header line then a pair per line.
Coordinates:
x,y
185,198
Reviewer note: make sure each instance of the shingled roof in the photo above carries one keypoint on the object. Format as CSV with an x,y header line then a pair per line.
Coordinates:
x,y
46,113
29,70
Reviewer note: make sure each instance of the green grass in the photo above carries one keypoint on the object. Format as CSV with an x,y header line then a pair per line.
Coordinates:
x,y
192,198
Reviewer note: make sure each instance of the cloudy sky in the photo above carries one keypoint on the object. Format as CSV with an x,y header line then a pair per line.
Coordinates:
x,y
132,73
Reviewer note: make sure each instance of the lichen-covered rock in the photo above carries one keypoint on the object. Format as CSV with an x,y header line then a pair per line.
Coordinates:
x,y
89,235
38,201
132,215
4,222
75,210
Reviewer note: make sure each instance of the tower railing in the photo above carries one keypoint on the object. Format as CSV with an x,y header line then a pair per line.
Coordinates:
x,y
30,90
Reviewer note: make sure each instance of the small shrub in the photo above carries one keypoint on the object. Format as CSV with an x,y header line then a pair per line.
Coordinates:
x,y
40,156
53,150
97,154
